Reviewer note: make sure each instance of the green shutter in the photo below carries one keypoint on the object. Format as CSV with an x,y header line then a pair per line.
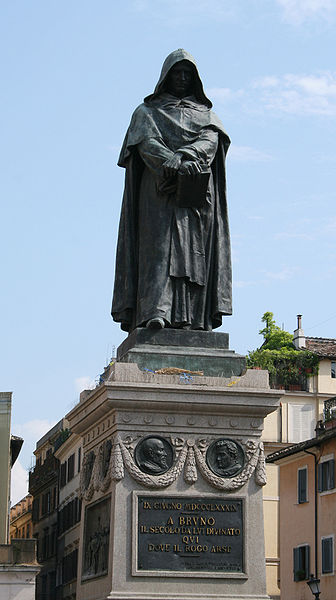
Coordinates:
x,y
296,566
327,555
331,474
302,486
307,562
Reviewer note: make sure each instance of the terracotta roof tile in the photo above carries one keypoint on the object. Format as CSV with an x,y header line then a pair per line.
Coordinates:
x,y
325,347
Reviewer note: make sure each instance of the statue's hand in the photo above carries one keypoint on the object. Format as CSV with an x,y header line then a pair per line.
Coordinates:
x,y
190,167
172,165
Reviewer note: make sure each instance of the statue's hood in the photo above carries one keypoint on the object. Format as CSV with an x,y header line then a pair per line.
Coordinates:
x,y
171,60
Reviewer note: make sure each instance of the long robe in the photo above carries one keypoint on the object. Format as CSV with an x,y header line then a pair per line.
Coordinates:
x,y
172,262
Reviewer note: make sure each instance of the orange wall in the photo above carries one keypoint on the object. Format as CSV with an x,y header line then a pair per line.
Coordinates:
x,y
297,526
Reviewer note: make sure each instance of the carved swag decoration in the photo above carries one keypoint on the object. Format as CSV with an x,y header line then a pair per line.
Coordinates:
x,y
114,455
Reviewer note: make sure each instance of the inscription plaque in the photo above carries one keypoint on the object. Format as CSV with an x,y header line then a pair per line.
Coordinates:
x,y
183,533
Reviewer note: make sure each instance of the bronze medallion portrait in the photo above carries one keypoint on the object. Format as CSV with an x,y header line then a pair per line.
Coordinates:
x,y
225,457
154,455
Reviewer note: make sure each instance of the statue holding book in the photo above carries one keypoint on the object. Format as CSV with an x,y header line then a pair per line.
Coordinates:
x,y
173,264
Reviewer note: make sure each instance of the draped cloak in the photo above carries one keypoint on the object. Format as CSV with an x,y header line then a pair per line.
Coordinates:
x,y
172,262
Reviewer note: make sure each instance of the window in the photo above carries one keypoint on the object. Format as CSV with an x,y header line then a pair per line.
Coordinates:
x,y
69,566
328,554
301,562
45,544
302,485
71,467
333,370
36,510
326,475
301,423
79,459
46,503
63,474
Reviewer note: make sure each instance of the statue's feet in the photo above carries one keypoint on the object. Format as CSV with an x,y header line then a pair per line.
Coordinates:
x,y
156,323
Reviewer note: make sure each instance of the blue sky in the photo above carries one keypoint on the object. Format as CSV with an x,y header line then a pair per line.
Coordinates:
x,y
72,73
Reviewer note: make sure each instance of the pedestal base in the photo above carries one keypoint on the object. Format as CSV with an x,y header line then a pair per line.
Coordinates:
x,y
182,522
205,351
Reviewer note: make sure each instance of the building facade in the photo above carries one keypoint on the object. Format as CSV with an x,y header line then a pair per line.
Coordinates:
x,y
18,566
295,421
69,455
43,486
308,513
21,523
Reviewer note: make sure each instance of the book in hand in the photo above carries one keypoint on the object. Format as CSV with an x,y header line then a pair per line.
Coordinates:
x,y
191,189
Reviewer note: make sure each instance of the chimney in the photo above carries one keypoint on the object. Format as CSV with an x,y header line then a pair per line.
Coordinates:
x,y
299,339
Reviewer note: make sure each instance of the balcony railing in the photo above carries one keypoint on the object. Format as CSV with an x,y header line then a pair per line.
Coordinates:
x,y
329,410
42,474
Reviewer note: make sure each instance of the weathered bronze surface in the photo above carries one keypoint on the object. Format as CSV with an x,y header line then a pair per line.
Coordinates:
x,y
225,457
173,265
154,455
190,533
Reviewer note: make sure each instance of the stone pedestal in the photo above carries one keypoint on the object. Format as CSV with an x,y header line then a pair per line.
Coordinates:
x,y
164,516
205,351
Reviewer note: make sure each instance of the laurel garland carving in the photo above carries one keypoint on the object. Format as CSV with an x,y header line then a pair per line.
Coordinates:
x,y
260,472
190,470
114,455
153,481
87,476
252,454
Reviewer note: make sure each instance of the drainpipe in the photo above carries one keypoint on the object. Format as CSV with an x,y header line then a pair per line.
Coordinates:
x,y
316,512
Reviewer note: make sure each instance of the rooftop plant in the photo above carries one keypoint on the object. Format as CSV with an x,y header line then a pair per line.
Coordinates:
x,y
278,355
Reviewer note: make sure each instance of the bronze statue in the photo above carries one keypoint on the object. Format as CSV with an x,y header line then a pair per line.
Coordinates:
x,y
173,264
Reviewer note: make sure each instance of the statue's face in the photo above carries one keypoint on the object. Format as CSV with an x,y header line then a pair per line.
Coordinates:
x,y
223,458
180,79
158,454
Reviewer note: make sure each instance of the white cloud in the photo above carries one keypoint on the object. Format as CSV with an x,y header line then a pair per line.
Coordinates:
x,y
283,275
298,93
84,383
220,94
248,154
292,93
293,235
19,482
32,430
297,12
243,284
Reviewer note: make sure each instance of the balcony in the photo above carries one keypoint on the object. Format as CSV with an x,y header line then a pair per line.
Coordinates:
x,y
41,475
329,413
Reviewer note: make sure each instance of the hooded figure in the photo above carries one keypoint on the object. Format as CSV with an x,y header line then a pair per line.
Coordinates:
x,y
173,264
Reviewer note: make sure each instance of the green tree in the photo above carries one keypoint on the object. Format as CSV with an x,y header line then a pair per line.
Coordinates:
x,y
278,355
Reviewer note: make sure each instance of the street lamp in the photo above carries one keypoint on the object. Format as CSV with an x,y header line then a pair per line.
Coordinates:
x,y
314,586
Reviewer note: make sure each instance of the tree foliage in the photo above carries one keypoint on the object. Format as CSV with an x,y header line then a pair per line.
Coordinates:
x,y
278,355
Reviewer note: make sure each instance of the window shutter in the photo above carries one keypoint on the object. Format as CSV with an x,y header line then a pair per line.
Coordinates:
x,y
319,477
63,474
301,422
296,561
307,562
302,485
331,474
327,555
71,467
